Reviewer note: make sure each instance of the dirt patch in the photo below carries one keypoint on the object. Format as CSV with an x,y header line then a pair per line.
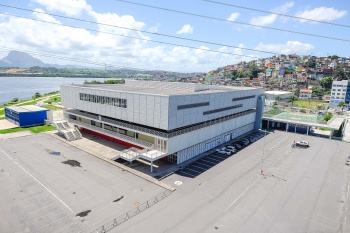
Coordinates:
x,y
73,163
84,213
118,199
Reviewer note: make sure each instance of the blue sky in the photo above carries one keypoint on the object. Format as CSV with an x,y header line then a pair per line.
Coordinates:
x,y
81,43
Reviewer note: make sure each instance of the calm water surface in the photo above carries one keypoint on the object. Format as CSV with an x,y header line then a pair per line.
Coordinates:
x,y
26,87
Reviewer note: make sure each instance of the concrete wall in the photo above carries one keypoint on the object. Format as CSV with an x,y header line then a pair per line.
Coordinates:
x,y
150,110
189,139
161,111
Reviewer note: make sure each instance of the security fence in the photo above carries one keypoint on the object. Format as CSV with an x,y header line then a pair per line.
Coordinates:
x,y
125,217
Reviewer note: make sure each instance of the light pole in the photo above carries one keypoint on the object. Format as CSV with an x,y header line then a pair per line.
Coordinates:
x,y
262,157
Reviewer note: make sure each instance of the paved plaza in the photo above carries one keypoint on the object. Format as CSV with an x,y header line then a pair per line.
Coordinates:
x,y
303,190
49,186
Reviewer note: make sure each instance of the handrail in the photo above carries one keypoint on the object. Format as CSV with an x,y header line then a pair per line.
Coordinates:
x,y
131,213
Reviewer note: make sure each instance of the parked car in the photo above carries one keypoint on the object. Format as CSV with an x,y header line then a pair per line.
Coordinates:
x,y
237,145
233,148
245,140
232,151
223,152
302,144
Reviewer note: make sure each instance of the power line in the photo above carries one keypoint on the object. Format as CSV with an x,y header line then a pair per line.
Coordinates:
x,y
69,58
132,29
236,22
138,38
275,13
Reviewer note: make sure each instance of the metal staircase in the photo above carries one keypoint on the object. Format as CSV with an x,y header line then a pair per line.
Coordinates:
x,y
71,133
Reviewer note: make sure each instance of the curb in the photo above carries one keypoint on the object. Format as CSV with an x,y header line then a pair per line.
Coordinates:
x,y
121,166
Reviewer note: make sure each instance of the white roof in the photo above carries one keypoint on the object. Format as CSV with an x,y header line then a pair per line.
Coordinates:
x,y
27,108
278,92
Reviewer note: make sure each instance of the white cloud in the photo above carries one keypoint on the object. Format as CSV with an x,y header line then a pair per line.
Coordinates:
x,y
288,48
233,16
186,29
69,7
154,28
270,19
322,14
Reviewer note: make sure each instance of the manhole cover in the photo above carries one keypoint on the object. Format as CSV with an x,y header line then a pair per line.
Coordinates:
x,y
178,182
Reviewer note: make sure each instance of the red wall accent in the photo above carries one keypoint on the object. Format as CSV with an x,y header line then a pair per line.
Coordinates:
x,y
127,144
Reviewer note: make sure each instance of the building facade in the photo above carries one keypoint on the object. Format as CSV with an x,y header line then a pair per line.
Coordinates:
x,y
340,93
25,116
176,121
305,94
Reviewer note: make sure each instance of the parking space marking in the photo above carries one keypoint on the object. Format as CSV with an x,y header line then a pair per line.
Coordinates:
x,y
187,174
199,168
36,179
213,164
66,226
215,160
192,170
55,221
204,164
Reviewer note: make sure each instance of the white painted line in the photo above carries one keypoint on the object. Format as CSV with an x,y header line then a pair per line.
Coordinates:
x,y
210,162
255,181
36,179
41,208
321,224
54,222
66,227
43,216
204,164
328,218
204,169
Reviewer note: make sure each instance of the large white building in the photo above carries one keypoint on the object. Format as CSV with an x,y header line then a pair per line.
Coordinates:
x,y
169,120
339,93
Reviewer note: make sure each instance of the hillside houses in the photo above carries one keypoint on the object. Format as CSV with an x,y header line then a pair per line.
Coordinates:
x,y
279,72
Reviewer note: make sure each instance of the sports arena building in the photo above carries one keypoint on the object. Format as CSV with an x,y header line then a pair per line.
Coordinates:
x,y
164,120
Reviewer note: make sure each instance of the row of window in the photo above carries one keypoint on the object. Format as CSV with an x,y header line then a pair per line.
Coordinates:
x,y
244,98
185,106
104,100
222,109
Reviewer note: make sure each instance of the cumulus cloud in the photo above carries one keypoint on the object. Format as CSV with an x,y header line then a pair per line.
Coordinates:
x,y
186,29
233,16
322,14
271,18
288,48
154,28
68,7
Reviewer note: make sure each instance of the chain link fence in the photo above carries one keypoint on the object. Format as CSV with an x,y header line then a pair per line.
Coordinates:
x,y
125,217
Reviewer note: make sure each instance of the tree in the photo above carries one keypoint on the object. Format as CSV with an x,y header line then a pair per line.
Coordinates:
x,y
278,98
292,99
328,116
36,95
342,105
326,82
14,100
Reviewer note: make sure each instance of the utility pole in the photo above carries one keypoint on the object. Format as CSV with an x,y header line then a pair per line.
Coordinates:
x,y
262,157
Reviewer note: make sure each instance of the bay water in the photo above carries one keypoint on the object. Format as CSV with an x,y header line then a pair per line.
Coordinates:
x,y
25,87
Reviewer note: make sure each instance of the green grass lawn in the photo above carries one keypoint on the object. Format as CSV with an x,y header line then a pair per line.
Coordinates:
x,y
2,118
325,129
272,112
305,104
34,129
53,100
2,111
33,102
52,107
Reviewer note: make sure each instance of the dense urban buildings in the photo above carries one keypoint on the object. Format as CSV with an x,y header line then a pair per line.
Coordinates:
x,y
169,120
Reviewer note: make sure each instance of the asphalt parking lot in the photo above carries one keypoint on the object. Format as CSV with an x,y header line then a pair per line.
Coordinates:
x,y
202,165
49,186
302,190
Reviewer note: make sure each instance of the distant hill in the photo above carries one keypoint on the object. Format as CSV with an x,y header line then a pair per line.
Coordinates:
x,y
21,60
24,60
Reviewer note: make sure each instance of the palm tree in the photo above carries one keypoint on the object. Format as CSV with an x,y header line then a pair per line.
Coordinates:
x,y
292,99
342,105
